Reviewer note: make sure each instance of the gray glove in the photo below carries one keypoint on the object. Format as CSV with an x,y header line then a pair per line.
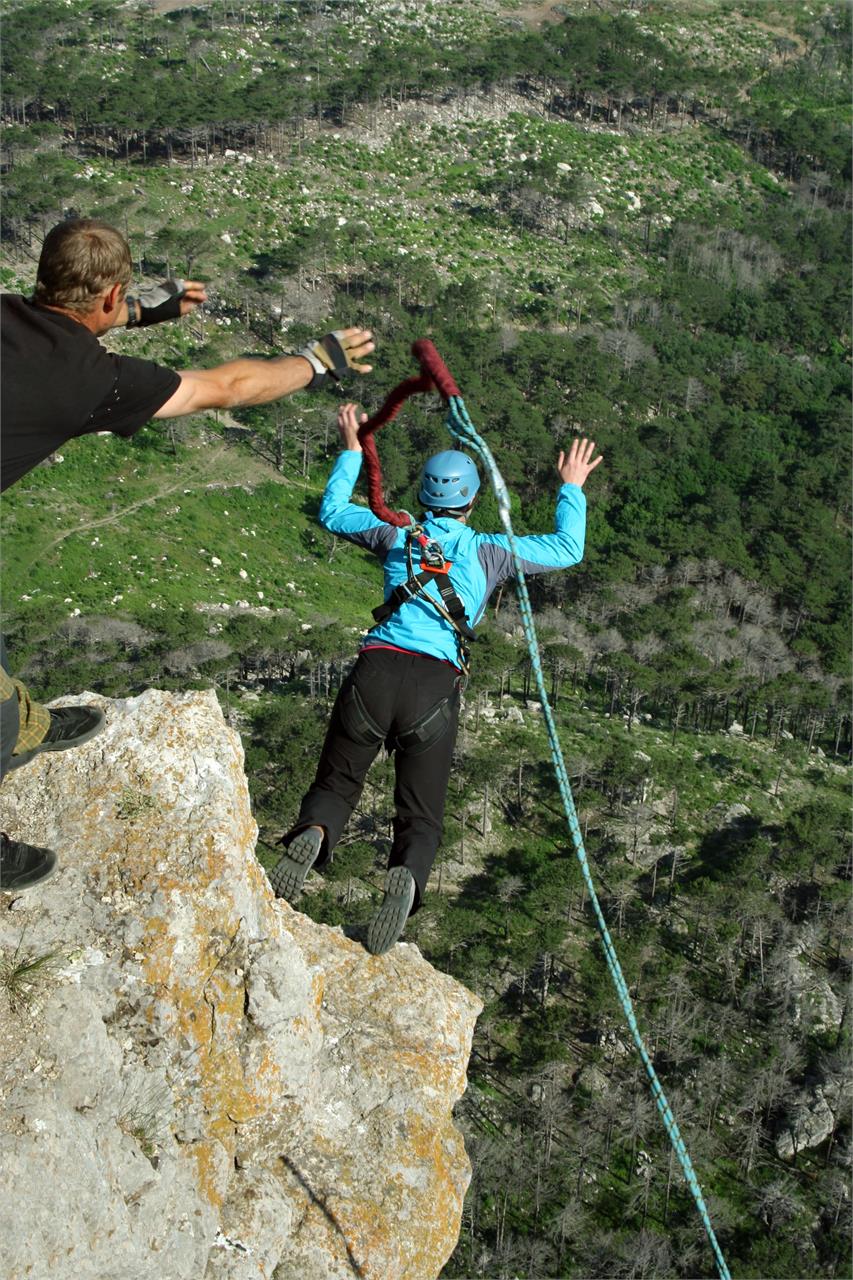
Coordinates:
x,y
329,357
159,302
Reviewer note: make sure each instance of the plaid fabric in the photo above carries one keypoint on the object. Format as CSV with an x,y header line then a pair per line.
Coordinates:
x,y
34,718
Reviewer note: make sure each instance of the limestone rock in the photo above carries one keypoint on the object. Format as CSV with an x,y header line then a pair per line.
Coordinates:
x,y
200,1082
809,1122
729,815
802,991
593,1080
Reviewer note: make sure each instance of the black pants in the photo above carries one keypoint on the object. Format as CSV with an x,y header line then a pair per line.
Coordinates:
x,y
386,695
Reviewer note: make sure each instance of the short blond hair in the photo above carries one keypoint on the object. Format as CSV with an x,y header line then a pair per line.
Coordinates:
x,y
79,259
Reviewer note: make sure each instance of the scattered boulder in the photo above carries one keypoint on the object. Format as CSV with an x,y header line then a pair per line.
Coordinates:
x,y
809,1122
729,815
592,1080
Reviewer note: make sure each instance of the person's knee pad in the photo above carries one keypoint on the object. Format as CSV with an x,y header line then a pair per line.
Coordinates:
x,y
357,720
427,730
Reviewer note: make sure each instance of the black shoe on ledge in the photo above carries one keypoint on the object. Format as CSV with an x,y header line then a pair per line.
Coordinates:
x,y
288,875
69,727
397,902
23,865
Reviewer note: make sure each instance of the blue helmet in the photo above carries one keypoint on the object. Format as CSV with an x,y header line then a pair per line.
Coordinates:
x,y
448,480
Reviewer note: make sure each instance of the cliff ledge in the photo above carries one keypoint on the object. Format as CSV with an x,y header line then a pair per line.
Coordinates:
x,y
196,1081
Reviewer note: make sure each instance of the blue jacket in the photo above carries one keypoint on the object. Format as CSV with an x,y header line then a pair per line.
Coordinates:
x,y
480,561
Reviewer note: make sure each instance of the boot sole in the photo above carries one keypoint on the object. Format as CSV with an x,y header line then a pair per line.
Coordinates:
x,y
390,920
288,875
26,756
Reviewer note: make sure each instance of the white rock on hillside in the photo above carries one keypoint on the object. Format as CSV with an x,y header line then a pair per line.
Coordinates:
x,y
809,1122
203,1083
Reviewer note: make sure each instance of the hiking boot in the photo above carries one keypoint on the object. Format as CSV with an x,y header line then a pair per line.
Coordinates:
x,y
288,875
389,921
69,727
23,865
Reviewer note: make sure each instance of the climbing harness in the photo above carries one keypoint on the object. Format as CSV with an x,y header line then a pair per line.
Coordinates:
x,y
434,568
450,606
434,374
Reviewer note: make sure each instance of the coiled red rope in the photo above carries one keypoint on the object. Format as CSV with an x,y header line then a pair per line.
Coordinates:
x,y
434,376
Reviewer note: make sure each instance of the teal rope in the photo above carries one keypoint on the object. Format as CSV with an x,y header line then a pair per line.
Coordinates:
x,y
462,429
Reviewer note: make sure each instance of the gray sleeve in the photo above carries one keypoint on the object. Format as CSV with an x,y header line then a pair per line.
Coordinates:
x,y
380,539
496,563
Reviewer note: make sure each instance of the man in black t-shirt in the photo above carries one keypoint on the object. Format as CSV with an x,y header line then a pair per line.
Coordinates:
x,y
59,383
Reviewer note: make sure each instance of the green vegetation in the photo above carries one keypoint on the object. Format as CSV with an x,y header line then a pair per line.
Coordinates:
x,y
632,225
25,978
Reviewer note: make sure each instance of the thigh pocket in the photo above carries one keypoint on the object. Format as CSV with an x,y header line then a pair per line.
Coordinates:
x,y
357,721
428,729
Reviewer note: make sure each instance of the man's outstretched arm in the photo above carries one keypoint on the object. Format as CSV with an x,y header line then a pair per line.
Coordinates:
x,y
248,382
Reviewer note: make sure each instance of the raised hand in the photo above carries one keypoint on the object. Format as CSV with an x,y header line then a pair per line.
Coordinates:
x,y
335,354
348,425
194,295
576,466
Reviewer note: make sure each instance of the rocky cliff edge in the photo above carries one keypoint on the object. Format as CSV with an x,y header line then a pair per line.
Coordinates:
x,y
198,1083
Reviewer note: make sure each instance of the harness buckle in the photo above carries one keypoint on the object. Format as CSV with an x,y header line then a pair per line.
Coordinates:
x,y
432,554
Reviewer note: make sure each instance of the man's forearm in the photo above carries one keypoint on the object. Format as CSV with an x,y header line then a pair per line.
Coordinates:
x,y
237,383
248,382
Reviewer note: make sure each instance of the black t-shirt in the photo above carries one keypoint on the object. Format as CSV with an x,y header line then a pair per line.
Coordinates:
x,y
58,382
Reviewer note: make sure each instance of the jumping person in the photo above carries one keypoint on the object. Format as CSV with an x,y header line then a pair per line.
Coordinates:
x,y
405,687
59,383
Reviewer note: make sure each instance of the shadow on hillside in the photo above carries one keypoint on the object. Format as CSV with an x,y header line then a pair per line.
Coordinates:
x,y
729,851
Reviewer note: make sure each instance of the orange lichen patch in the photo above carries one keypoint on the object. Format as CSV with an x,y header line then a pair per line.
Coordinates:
x,y
210,860
439,1072
364,1233
268,1078
354,1232
318,989
254,870
301,1024
204,1154
207,996
366,1230
227,1098
158,945
442,1149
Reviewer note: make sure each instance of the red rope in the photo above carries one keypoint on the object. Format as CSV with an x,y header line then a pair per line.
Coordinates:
x,y
432,364
434,376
